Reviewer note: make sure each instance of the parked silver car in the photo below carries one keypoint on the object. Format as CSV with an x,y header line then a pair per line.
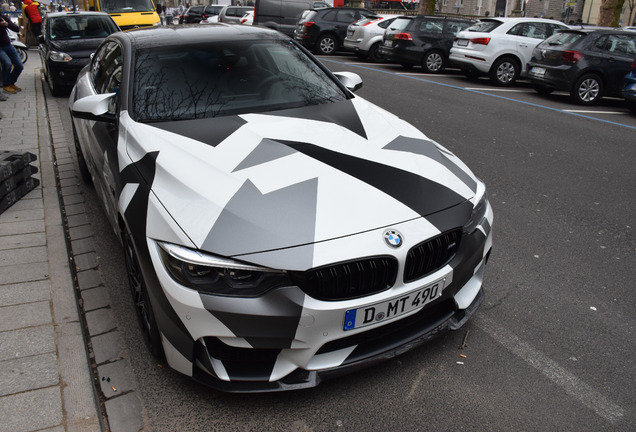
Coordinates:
x,y
364,37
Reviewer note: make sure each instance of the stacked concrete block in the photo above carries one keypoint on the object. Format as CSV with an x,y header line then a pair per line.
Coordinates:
x,y
15,177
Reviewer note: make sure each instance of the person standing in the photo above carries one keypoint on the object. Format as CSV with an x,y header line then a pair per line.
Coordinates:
x,y
32,11
9,57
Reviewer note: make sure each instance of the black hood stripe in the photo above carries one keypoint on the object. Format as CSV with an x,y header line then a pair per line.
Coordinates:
x,y
341,113
418,193
210,131
430,150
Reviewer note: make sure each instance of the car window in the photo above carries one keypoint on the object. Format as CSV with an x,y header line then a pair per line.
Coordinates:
x,y
81,26
619,44
431,26
455,27
330,15
346,16
226,78
532,30
400,23
485,26
107,68
565,38
385,23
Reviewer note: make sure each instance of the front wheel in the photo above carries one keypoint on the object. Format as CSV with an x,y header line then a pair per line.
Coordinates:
x,y
143,308
587,90
504,72
433,62
326,45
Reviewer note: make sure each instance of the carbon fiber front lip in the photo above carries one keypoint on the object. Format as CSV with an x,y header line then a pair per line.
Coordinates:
x,y
301,379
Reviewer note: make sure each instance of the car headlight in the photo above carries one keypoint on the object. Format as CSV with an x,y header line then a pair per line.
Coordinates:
x,y
205,272
479,211
58,56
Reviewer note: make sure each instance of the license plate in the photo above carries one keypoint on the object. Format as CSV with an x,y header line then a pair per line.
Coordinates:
x,y
388,43
462,42
539,71
387,310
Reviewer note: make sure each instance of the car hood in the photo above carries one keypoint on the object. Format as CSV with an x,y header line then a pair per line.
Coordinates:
x,y
76,48
260,182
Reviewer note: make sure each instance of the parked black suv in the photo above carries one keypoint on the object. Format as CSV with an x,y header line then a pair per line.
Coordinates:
x,y
324,30
421,40
195,14
587,63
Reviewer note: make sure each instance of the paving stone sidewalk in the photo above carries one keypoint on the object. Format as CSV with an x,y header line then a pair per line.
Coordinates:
x,y
46,382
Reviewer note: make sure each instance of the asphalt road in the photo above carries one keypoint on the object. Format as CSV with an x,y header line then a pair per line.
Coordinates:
x,y
551,349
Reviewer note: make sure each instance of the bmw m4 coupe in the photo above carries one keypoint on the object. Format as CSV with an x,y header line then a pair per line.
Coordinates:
x,y
278,229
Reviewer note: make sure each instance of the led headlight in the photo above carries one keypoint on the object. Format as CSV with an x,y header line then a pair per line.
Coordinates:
x,y
479,211
58,56
205,272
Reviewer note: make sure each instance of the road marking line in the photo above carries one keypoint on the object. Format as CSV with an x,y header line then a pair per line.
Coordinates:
x,y
596,112
564,379
487,89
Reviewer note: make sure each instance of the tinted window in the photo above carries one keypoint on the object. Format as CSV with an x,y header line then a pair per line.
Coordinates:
x,y
400,23
225,78
346,16
329,15
566,38
385,23
107,68
485,26
81,26
457,26
431,26
619,44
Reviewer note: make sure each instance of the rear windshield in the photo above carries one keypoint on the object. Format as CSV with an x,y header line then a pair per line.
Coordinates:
x,y
227,78
563,38
400,24
485,26
81,27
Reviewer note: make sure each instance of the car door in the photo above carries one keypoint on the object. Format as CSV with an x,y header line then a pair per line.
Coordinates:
x,y
101,137
429,31
527,36
615,53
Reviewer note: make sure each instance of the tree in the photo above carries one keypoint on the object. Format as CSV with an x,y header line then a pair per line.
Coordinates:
x,y
610,13
631,4
427,7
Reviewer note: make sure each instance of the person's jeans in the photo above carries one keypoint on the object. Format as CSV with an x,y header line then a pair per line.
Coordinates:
x,y
11,65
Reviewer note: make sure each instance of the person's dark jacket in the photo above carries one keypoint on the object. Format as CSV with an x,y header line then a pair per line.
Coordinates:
x,y
4,36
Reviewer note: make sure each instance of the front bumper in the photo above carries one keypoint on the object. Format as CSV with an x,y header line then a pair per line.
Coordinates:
x,y
286,339
65,73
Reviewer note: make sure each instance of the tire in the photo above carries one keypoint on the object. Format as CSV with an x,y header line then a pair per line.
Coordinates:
x,y
326,45
433,62
587,90
81,162
55,89
141,301
504,72
542,90
24,56
374,54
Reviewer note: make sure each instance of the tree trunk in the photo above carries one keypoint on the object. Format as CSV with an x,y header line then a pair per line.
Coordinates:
x,y
427,7
610,13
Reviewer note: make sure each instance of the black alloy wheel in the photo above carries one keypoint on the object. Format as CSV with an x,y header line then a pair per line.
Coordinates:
x,y
141,301
81,162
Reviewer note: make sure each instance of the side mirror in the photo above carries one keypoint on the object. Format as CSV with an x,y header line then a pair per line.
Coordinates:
x,y
96,107
350,80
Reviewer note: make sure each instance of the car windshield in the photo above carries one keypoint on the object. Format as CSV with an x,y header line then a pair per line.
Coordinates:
x,y
118,6
81,27
485,26
227,78
563,38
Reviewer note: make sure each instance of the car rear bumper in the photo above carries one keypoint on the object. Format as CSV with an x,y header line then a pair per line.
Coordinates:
x,y
471,61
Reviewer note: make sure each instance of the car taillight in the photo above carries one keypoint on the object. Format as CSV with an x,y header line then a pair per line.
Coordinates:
x,y
403,36
308,23
633,68
204,16
571,56
243,20
481,41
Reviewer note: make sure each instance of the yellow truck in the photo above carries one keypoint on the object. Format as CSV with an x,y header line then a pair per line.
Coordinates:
x,y
127,14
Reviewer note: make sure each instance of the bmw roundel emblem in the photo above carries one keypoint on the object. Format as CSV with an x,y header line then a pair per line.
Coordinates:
x,y
393,238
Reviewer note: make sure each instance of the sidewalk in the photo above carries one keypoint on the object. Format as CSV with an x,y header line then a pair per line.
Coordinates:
x,y
45,378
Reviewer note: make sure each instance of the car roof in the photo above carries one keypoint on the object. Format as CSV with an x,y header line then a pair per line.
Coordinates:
x,y
76,13
601,30
521,19
192,34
